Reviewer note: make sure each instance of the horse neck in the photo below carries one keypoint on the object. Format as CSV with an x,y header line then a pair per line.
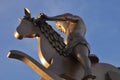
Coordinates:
x,y
41,56
39,47
38,40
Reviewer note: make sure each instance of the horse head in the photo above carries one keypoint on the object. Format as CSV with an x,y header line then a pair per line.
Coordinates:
x,y
30,28
27,27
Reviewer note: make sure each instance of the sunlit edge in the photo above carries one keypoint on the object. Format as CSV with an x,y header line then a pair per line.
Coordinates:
x,y
42,59
8,55
27,10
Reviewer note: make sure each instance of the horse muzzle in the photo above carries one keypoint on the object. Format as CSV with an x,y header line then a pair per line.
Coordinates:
x,y
17,35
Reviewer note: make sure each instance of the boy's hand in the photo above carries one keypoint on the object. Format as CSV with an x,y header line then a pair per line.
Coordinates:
x,y
42,16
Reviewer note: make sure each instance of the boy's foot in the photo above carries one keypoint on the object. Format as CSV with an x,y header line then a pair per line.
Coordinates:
x,y
89,77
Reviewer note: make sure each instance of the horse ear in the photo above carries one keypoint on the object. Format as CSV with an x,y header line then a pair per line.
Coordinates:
x,y
19,19
27,12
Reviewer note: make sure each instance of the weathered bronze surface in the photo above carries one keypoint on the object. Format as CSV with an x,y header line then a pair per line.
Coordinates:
x,y
59,60
112,75
76,44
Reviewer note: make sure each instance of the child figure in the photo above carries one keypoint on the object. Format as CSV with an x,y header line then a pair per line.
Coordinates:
x,y
74,29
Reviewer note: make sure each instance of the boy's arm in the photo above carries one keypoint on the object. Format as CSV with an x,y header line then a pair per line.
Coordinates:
x,y
63,17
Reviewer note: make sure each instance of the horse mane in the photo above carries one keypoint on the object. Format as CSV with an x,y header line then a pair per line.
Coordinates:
x,y
53,37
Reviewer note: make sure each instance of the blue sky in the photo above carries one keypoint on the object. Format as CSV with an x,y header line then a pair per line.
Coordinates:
x,y
102,19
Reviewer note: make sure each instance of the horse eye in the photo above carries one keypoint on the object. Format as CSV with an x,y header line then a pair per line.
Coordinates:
x,y
59,26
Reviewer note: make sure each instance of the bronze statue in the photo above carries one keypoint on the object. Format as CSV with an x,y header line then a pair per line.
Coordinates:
x,y
76,45
70,61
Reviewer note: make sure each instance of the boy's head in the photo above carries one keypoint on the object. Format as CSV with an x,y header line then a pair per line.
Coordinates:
x,y
62,25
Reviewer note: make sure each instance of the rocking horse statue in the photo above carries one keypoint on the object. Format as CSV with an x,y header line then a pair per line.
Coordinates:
x,y
61,60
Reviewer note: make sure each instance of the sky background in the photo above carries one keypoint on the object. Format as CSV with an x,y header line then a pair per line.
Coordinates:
x,y
101,17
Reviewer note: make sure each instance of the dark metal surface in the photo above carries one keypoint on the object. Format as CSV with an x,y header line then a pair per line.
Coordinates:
x,y
51,53
112,75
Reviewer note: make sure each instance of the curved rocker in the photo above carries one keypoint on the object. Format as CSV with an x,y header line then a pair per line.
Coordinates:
x,y
32,63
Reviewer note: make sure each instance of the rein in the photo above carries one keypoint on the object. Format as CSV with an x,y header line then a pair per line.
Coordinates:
x,y
53,37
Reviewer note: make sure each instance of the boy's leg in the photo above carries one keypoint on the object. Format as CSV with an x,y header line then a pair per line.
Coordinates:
x,y
81,54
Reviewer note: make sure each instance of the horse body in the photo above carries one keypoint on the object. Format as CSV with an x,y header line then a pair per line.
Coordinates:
x,y
65,67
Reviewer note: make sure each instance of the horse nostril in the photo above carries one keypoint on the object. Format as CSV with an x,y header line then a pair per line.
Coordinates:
x,y
17,35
